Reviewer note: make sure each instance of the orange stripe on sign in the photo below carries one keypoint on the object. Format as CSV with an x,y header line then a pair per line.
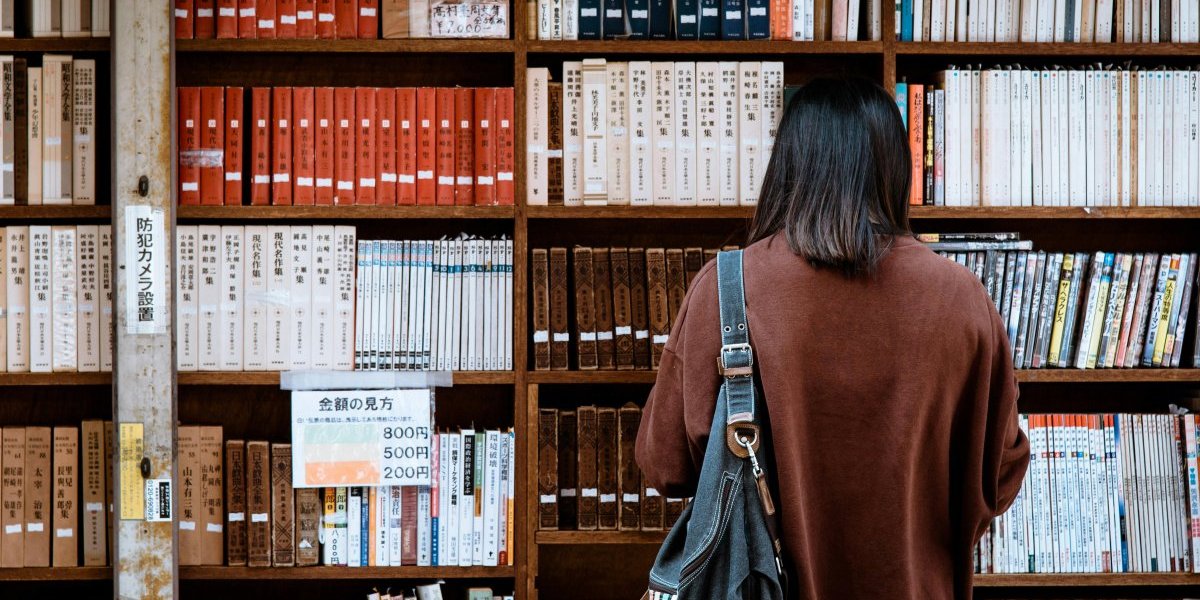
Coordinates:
x,y
341,473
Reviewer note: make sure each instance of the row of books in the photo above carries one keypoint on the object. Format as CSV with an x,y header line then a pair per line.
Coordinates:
x,y
1081,310
433,591
340,19
588,477
624,302
56,294
800,20
48,130
1133,21
237,506
651,133
55,487
1104,493
55,18
365,145
1056,137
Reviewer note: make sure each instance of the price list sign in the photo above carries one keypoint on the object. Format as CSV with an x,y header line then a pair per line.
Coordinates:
x,y
361,437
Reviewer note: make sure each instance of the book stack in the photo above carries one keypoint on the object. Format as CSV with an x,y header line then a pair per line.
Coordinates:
x,y
1107,493
48,130
433,591
1128,21
799,20
442,305
55,488
365,145
58,18
1057,137
588,477
651,133
1083,310
340,19
625,301
56,294
464,518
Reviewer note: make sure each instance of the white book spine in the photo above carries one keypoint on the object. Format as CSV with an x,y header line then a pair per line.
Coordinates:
x,y
7,130
323,276
641,98
342,343
593,124
254,300
491,499
186,308
52,132
452,488
729,120
507,306
750,132
88,324
231,303
208,297
707,134
40,346
354,557
570,19
64,298
83,154
572,133
537,135
34,132
772,113
107,329
618,134
383,512
662,135
279,298
4,313
395,527
300,288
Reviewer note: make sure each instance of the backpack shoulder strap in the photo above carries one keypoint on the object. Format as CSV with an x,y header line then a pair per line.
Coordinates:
x,y
736,360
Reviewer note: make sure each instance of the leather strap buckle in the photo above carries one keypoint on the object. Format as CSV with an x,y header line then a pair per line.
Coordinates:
x,y
746,370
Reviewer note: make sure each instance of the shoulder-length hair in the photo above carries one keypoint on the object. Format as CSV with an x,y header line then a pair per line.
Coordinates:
x,y
837,184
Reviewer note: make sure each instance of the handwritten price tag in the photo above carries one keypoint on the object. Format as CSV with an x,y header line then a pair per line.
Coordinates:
x,y
469,19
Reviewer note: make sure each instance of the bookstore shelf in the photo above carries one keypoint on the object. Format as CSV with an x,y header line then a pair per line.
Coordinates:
x,y
55,574
318,213
1023,376
326,46
723,47
271,378
599,537
54,213
333,573
89,44
54,379
1044,49
915,212
1088,580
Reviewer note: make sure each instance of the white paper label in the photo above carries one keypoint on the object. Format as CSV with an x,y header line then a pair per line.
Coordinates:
x,y
639,14
758,11
325,17
366,12
304,182
406,179
604,336
304,15
624,330
181,13
247,12
733,15
204,12
587,336
660,339
64,533
213,528
237,517
687,19
266,23
613,13
651,492
262,179
258,517
608,498
481,180
281,177
567,492
630,498
709,12
145,272
588,492
562,337
35,527
548,498
94,506
641,334
227,12
287,20
233,176
588,12
187,525
504,176
541,337
13,528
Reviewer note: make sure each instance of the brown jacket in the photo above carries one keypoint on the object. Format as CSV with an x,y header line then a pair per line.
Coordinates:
x,y
893,407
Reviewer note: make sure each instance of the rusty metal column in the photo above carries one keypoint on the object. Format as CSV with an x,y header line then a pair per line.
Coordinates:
x,y
144,402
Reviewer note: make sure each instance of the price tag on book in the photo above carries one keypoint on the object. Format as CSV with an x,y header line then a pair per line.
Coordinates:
x,y
361,437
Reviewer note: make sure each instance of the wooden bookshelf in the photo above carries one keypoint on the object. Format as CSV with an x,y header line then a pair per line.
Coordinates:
x,y
271,378
52,574
55,213
342,46
340,213
723,47
88,44
1107,580
330,573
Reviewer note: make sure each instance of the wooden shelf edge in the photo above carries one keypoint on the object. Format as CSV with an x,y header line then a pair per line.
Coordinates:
x,y
58,44
727,47
1023,376
1088,580
343,573
55,574
915,212
54,379
326,46
599,537
51,212
271,378
199,213
1045,49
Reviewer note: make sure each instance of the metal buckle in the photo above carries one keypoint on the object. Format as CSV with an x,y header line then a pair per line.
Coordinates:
x,y
745,371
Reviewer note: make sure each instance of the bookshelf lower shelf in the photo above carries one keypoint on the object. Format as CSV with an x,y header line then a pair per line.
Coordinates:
x,y
271,378
1089,580
343,573
1023,376
54,574
599,537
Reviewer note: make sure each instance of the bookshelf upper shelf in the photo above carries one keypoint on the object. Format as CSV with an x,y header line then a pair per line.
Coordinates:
x,y
231,378
332,573
54,213
725,47
326,46
83,44
1044,49
215,213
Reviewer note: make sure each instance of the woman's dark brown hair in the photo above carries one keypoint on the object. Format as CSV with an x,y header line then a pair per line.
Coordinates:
x,y
838,181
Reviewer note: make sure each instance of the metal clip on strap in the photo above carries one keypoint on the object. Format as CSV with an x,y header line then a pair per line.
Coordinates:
x,y
736,361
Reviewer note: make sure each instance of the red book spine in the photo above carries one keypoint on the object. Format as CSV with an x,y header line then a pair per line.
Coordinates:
x,y
445,167
212,145
285,13
426,145
281,146
346,16
234,124
364,157
464,146
303,130
485,146
260,146
343,128
266,19
189,144
306,19
916,141
505,147
324,141
227,21
406,146
385,142
408,525
326,25
185,20
248,19
206,20
368,19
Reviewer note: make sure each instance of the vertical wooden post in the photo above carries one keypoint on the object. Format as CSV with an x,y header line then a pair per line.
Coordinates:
x,y
143,246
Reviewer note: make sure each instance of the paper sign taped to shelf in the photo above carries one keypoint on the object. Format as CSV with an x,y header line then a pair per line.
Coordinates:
x,y
145,270
130,450
472,19
158,500
361,437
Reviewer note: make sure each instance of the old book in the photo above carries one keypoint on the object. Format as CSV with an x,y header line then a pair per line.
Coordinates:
x,y
235,135
505,147
547,468
260,146
485,126
235,502
304,127
281,145
258,504
588,477
693,260
658,302
568,470
109,440
622,324
344,131
283,524
64,297
554,146
394,19
308,520
65,520
672,510
676,282
385,152
87,336
209,146
444,147
189,494
324,146
210,505
560,337
93,479
653,506
426,146
607,468
365,145
12,497
602,285
639,308
83,132
20,108
540,299
629,477
188,106
464,146
585,309
37,496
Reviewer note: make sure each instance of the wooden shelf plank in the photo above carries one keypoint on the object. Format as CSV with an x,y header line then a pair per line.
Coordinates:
x,y
87,44
599,537
916,212
1045,49
591,377
54,379
1024,376
271,378
55,574
1090,579
301,213
640,212
315,46
55,213
724,47
292,573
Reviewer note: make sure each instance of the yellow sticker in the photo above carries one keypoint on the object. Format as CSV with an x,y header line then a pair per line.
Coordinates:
x,y
132,449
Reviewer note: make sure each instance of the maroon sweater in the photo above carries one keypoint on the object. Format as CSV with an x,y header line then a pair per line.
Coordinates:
x,y
893,407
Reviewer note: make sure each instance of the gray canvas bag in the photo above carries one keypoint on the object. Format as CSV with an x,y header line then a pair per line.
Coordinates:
x,y
725,544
